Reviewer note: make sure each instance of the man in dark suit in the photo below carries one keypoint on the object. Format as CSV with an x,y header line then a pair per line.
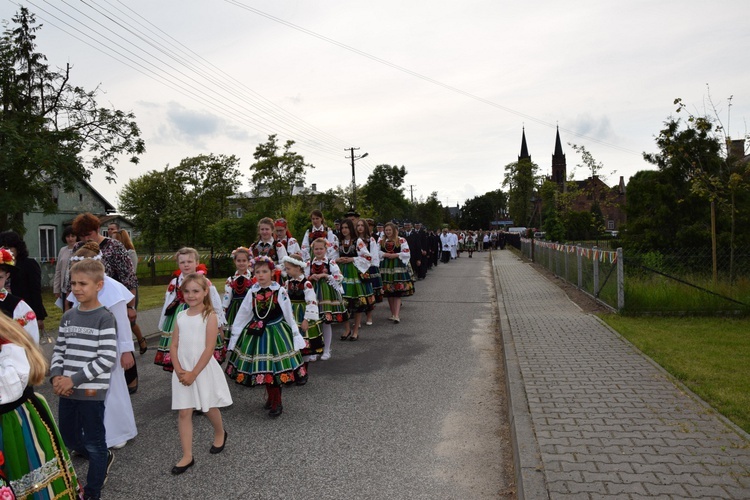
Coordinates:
x,y
425,247
415,247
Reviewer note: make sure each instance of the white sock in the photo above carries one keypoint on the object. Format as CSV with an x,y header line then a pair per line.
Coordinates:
x,y
327,335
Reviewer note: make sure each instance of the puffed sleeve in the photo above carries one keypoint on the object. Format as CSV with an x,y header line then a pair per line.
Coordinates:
x,y
311,300
14,372
228,292
218,309
332,252
374,252
404,254
27,318
286,308
293,247
306,246
169,297
244,315
363,259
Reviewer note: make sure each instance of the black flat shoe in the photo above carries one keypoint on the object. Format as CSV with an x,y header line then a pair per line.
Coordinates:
x,y
352,339
179,469
346,337
218,449
277,412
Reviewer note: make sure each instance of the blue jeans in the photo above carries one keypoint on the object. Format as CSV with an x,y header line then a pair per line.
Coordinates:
x,y
82,429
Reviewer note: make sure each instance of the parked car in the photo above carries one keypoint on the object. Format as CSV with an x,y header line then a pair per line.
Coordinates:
x,y
540,235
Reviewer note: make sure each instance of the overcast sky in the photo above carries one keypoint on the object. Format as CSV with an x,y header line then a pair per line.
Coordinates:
x,y
441,87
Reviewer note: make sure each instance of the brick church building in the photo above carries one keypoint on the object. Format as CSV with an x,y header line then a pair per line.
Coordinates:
x,y
611,199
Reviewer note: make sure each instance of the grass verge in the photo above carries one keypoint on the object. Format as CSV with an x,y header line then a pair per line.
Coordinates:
x,y
708,355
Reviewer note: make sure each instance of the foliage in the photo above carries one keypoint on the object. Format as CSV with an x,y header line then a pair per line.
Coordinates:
x,y
230,233
276,171
384,193
178,206
52,133
429,212
580,226
480,211
520,180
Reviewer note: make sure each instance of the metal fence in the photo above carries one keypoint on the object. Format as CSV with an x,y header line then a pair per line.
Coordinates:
x,y
671,282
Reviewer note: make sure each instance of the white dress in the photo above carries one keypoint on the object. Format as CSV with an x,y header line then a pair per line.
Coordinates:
x,y
210,389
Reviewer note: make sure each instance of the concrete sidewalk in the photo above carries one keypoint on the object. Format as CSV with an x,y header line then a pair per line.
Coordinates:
x,y
592,417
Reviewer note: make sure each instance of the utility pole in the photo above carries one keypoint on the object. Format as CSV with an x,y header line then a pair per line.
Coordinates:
x,y
411,189
354,182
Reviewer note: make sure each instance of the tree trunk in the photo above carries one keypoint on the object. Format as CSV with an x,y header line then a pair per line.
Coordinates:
x,y
731,245
713,241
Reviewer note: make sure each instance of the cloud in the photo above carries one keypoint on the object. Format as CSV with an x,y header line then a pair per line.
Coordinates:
x,y
593,126
195,127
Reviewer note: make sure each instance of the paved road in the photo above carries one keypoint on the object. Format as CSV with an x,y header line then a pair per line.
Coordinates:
x,y
594,418
415,410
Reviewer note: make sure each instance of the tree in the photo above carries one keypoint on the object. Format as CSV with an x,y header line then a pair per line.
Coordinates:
x,y
383,193
480,211
52,133
430,212
276,171
520,179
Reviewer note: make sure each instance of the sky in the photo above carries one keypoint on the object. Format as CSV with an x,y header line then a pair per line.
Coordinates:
x,y
444,88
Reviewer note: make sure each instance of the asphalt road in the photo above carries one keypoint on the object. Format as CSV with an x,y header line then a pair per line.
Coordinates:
x,y
414,410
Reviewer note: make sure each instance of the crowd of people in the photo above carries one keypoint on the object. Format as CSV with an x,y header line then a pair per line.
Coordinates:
x,y
274,317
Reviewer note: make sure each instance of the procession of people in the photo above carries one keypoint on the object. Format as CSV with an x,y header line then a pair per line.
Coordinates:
x,y
274,319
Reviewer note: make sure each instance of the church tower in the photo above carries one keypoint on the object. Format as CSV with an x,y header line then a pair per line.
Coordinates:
x,y
559,165
524,150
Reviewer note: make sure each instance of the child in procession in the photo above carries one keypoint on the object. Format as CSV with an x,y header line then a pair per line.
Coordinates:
x,y
305,308
326,278
354,261
12,306
236,287
198,382
394,269
188,261
265,343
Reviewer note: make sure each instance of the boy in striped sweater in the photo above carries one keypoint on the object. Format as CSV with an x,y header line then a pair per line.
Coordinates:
x,y
85,352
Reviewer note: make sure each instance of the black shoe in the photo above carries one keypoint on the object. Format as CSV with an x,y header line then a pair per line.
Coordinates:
x,y
110,461
218,449
276,412
346,337
267,406
133,390
179,469
301,380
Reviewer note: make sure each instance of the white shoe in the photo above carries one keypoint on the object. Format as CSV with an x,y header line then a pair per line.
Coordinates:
x,y
392,318
119,446
396,320
369,323
325,356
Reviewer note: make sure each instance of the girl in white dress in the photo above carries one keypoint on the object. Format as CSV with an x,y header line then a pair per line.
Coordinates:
x,y
198,382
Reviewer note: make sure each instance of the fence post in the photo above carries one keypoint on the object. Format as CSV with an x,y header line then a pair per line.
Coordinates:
x,y
596,273
551,266
565,255
152,265
620,280
580,266
531,242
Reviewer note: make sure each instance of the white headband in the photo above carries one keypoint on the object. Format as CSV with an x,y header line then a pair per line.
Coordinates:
x,y
294,261
95,257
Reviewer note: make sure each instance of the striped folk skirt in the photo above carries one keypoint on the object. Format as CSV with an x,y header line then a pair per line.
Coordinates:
x,y
397,281
313,336
376,283
35,462
331,304
269,358
357,292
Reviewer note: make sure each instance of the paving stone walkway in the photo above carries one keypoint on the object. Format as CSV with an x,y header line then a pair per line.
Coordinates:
x,y
607,422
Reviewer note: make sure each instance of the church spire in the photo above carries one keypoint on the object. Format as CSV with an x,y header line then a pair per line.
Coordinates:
x,y
559,165
524,149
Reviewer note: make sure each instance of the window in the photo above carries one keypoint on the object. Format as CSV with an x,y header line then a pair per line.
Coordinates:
x,y
47,243
610,224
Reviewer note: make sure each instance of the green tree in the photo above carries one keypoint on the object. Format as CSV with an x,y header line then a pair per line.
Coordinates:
x,y
384,193
52,133
430,212
520,181
480,211
276,171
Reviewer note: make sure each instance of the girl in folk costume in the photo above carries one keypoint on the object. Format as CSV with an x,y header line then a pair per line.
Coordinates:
x,y
197,382
174,302
305,308
326,278
267,246
373,272
34,462
354,260
236,288
394,261
319,230
266,341
284,237
471,243
12,306
119,420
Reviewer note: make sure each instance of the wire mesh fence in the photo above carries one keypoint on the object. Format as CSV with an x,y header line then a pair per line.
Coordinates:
x,y
683,281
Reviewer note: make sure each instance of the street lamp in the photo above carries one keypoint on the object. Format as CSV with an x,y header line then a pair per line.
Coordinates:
x,y
354,182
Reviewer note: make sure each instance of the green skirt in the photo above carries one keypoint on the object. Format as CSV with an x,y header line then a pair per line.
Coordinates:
x,y
397,281
269,358
357,292
331,304
35,461
313,336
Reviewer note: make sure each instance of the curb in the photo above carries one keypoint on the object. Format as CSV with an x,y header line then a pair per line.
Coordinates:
x,y
527,456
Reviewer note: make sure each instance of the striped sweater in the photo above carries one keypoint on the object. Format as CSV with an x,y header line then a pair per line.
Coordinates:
x,y
86,351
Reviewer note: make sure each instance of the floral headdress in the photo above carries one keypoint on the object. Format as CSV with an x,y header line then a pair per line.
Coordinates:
x,y
294,261
6,258
262,258
76,258
241,249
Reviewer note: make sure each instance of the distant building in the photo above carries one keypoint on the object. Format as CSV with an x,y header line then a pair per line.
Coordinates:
x,y
611,200
237,202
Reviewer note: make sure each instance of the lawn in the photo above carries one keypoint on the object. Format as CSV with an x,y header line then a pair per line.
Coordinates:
x,y
708,355
149,297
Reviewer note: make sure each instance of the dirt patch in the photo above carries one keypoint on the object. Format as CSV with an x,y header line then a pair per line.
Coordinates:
x,y
583,300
